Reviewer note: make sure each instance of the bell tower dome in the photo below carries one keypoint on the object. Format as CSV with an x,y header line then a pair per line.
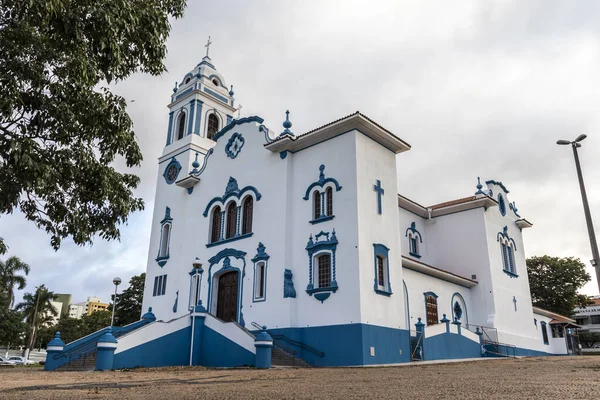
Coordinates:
x,y
200,105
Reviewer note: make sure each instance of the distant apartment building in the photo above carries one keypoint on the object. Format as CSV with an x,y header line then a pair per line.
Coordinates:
x,y
65,300
92,304
589,317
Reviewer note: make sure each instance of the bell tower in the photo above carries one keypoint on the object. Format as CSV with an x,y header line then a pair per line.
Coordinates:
x,y
200,105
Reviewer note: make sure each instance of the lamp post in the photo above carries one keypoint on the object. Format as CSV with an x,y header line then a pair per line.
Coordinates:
x,y
197,278
575,144
117,282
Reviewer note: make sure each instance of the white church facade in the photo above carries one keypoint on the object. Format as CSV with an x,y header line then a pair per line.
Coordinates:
x,y
307,235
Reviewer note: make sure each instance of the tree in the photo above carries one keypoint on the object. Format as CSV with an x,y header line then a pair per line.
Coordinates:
x,y
61,128
95,321
38,311
554,282
12,327
129,302
10,277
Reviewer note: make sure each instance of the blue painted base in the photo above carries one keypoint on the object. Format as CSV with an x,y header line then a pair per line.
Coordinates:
x,y
450,346
349,344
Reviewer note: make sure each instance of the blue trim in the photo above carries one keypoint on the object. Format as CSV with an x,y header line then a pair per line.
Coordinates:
x,y
514,208
236,137
167,220
501,204
191,121
504,234
321,183
383,251
512,275
493,182
196,172
380,192
180,95
544,330
171,163
236,122
413,248
226,254
232,190
288,284
317,247
283,154
322,219
170,128
413,229
203,62
198,116
216,95
212,76
268,140
407,303
231,239
261,256
464,303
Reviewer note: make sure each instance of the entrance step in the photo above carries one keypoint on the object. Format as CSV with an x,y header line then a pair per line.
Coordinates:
x,y
281,358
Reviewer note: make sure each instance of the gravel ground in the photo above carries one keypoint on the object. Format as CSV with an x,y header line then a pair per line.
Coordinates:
x,y
526,378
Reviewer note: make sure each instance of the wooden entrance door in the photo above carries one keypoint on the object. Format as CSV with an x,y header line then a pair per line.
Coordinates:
x,y
432,314
227,297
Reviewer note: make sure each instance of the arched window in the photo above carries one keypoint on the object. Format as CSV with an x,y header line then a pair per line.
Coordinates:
x,y
231,220
216,225
329,201
431,308
324,270
259,281
316,204
181,126
247,207
164,244
212,126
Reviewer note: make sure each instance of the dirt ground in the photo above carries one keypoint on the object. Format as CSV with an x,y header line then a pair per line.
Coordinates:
x,y
526,378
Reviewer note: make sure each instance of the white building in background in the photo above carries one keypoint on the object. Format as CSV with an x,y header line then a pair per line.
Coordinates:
x,y
92,304
589,317
308,235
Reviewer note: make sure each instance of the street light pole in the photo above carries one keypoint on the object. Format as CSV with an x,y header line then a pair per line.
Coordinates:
x,y
586,207
117,282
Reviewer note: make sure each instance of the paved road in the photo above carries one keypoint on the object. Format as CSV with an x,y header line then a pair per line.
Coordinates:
x,y
527,378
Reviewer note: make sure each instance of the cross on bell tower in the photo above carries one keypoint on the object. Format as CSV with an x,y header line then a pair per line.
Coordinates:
x,y
207,45
380,193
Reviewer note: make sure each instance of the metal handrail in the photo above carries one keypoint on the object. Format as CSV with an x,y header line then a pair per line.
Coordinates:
x,y
293,342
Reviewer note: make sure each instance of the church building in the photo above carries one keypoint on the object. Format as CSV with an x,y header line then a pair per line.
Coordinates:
x,y
308,237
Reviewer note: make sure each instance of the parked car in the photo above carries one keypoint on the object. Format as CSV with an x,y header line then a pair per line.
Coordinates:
x,y
6,361
18,360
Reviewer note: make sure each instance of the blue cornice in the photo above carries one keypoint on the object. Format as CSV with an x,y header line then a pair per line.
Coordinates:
x,y
322,182
231,239
504,234
493,182
261,254
235,122
414,230
232,190
322,219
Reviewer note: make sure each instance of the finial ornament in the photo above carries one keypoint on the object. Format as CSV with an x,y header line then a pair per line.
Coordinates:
x,y
479,187
195,164
175,88
231,91
207,45
287,124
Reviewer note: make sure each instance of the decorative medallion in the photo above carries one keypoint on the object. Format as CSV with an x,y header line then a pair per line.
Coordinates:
x,y
172,171
234,145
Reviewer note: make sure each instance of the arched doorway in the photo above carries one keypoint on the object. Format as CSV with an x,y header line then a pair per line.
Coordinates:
x,y
227,297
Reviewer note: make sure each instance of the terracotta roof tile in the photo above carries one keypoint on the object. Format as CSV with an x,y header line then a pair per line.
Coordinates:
x,y
453,202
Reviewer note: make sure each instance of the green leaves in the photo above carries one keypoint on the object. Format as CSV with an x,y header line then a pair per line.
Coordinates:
x,y
61,129
129,302
554,282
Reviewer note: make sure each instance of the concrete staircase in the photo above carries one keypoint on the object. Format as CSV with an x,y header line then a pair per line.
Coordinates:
x,y
281,358
84,363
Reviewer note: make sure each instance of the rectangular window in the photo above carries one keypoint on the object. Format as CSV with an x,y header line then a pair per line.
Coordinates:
x,y
511,259
432,313
544,333
260,281
324,270
413,245
380,272
504,258
581,321
160,285
595,319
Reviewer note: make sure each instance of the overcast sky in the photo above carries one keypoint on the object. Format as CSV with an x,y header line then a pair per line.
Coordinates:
x,y
478,88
